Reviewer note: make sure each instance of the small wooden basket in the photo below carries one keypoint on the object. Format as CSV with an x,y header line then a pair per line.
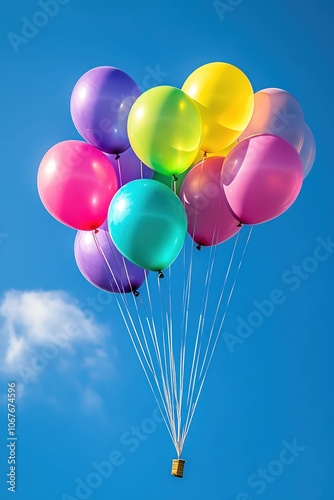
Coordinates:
x,y
177,467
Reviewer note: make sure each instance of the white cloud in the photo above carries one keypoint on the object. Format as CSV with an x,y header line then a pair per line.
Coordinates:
x,y
91,400
37,327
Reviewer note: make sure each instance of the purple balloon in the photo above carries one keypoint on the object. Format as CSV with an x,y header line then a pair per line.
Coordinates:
x,y
100,105
129,167
103,265
210,220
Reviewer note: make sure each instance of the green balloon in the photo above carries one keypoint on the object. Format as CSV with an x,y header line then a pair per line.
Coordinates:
x,y
147,223
165,129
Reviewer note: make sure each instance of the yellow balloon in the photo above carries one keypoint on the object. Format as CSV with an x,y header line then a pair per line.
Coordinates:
x,y
165,129
225,99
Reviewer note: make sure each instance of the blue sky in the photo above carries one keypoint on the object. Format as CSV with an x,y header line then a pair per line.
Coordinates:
x,y
268,394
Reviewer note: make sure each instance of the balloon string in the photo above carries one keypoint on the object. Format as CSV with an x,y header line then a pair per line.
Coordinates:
x,y
220,300
119,170
201,319
140,349
184,330
139,317
97,243
166,398
134,294
152,327
172,368
207,285
191,404
122,296
146,374
100,250
173,365
169,330
156,348
218,333
167,374
157,380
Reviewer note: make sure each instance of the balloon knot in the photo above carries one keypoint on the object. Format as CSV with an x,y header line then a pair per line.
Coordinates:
x,y
96,231
135,293
199,247
205,154
240,224
117,157
175,178
160,274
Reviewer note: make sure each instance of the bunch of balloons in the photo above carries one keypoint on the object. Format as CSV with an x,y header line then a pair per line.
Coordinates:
x,y
232,156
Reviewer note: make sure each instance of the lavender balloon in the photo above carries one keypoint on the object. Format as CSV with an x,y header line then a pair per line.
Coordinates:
x,y
308,151
278,113
100,105
103,265
128,167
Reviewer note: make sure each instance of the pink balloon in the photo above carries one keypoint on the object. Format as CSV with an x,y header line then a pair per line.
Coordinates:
x,y
76,183
261,177
210,220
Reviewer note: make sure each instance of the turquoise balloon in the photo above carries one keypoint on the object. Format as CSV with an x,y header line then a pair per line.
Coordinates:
x,y
147,223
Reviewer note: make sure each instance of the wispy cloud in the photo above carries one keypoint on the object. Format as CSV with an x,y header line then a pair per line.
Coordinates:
x,y
91,400
42,327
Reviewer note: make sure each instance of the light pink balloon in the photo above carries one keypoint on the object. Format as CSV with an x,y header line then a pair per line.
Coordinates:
x,y
210,220
279,113
76,183
261,177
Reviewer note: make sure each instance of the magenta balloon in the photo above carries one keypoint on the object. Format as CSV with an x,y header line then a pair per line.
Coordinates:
x,y
261,177
308,151
102,265
279,113
129,167
210,220
76,183
100,104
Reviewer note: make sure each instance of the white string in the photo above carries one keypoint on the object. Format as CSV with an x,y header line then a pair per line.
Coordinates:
x,y
146,374
201,322
187,427
173,366
122,295
160,361
167,374
139,316
220,300
119,170
212,327
150,366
